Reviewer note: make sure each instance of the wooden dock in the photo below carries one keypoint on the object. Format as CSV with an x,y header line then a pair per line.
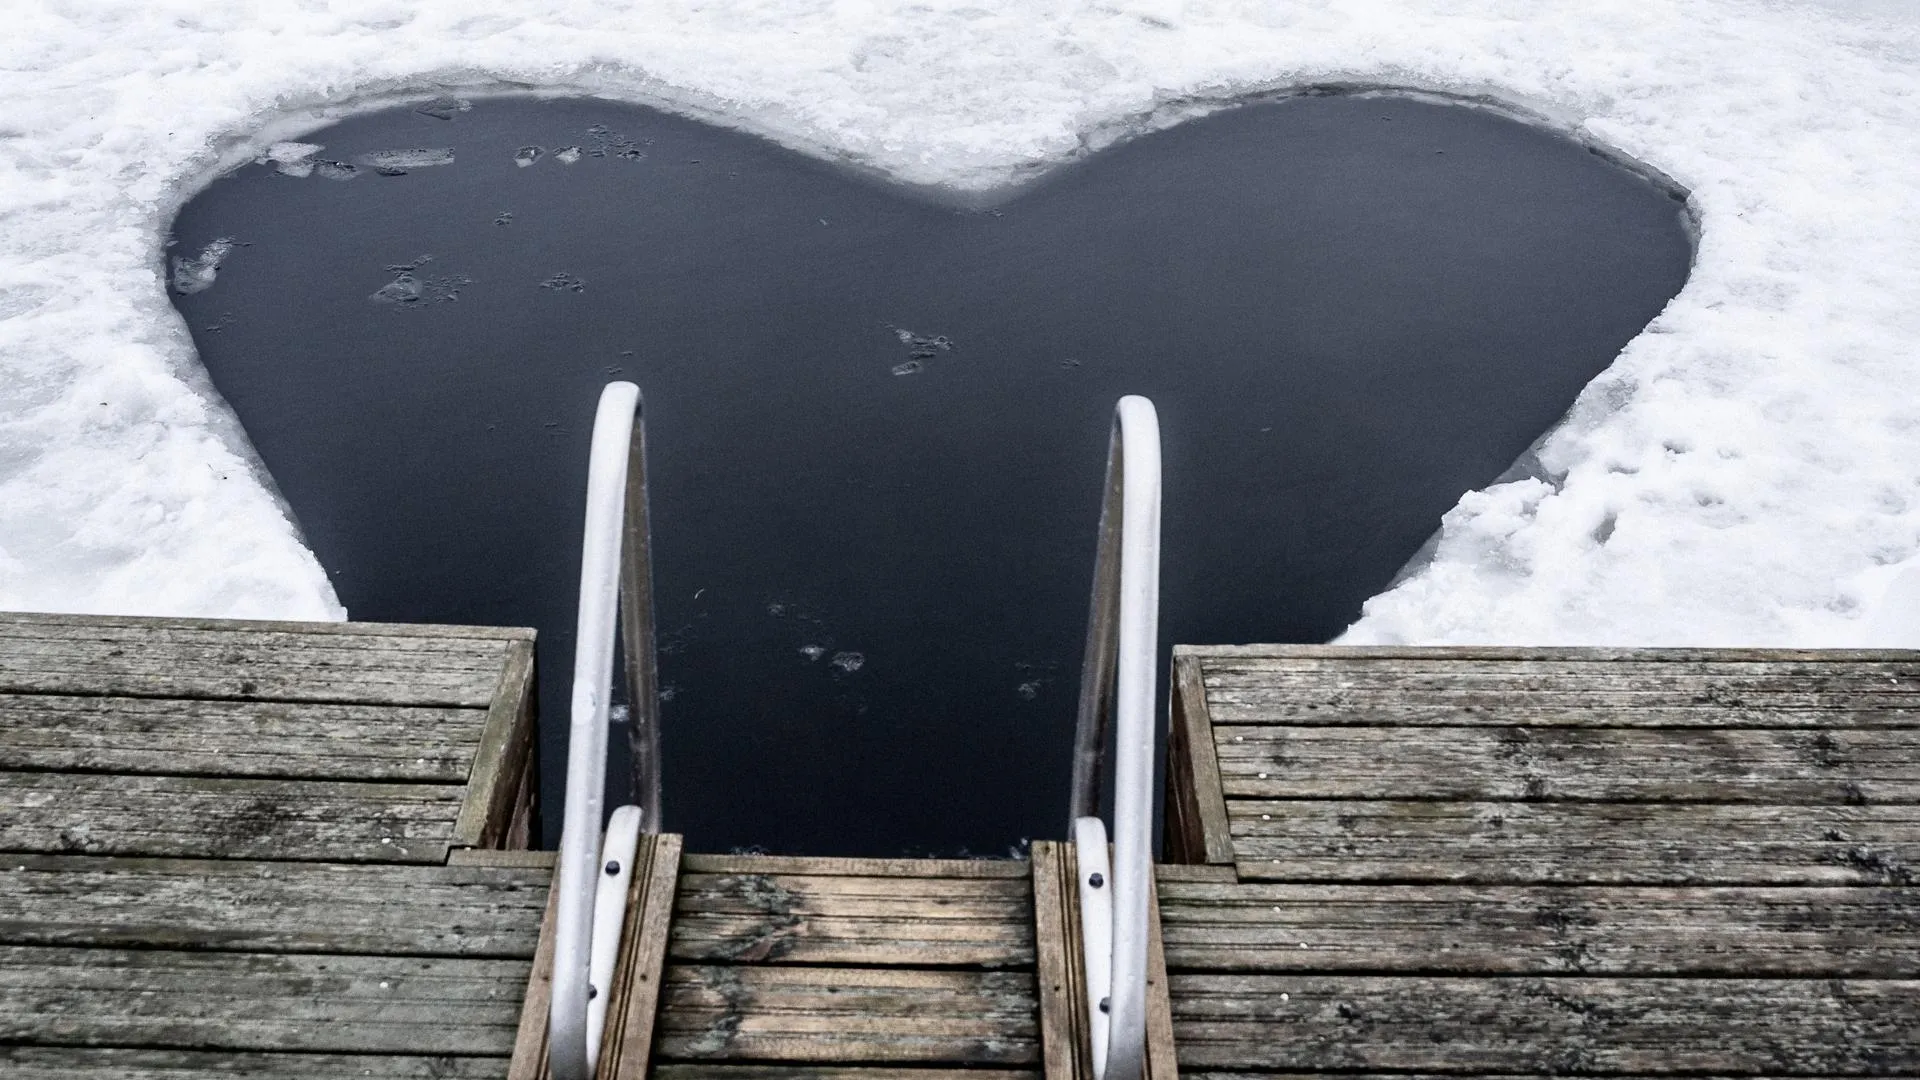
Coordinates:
x,y
283,850
1544,862
265,850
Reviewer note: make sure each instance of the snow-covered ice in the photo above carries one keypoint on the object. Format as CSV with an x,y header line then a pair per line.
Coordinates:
x,y
1748,471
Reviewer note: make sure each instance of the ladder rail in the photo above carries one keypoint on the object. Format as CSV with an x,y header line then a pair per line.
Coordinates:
x,y
616,585
1117,701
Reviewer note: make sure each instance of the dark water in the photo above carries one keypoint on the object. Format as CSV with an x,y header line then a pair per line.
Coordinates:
x,y
877,424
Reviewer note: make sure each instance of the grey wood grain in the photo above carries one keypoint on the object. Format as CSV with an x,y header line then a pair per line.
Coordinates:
x,y
271,906
85,813
1574,843
1196,817
848,1015
252,1001
1829,1027
50,624
502,757
237,738
802,918
856,867
1804,931
215,661
626,1047
1236,655
1826,765
94,1063
715,1071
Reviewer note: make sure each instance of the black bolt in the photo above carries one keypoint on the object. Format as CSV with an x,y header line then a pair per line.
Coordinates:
x,y
613,867
1096,881
1106,1004
594,992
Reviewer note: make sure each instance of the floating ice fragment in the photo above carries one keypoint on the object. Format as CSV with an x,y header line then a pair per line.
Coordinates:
x,y
848,662
1029,690
397,162
812,652
196,274
527,155
565,281
444,108
920,347
405,289
292,158
408,288
610,143
335,170
567,155
908,367
505,218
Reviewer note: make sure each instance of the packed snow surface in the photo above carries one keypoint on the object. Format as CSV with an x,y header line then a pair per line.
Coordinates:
x,y
1748,471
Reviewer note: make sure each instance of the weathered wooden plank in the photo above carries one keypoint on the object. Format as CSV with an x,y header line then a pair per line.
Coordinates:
x,y
1834,765
140,660
1509,694
423,639
501,756
495,857
1059,968
1806,931
1165,872
1196,827
626,1050
1575,843
848,1015
1249,655
1548,1026
1388,710
94,1063
826,866
801,918
1214,1074
96,814
1572,688
529,1061
270,906
1162,1062
705,1070
48,623
252,1001
237,738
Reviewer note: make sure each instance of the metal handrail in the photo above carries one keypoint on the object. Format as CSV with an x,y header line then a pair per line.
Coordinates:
x,y
616,579
1117,680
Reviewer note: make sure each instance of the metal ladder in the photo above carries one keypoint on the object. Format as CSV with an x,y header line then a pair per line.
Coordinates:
x,y
1117,698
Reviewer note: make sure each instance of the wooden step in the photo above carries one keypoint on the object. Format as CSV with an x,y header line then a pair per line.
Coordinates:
x,y
1530,862
851,962
207,739
264,849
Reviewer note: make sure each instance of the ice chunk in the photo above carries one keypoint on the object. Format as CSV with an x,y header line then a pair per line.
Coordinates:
x,y
444,108
196,273
567,155
398,162
292,158
527,155
409,287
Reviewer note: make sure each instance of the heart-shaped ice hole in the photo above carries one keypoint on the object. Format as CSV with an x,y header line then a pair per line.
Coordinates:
x,y
877,423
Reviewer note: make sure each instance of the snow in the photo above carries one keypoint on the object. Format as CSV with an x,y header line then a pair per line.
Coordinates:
x,y
1745,473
